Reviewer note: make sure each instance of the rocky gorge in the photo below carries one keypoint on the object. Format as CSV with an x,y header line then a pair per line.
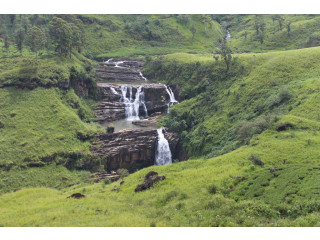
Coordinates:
x,y
134,103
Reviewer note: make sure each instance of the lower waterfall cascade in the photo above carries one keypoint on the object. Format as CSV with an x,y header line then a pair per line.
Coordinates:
x,y
163,152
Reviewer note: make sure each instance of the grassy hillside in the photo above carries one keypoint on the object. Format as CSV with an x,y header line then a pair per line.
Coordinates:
x,y
195,193
292,32
224,110
125,35
267,178
39,125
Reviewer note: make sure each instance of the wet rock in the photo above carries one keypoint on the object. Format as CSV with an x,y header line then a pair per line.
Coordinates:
x,y
130,149
150,179
109,111
150,122
110,129
110,108
77,196
128,71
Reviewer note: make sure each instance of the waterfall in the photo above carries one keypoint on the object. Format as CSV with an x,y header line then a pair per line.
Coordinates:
x,y
114,91
172,98
228,35
132,105
163,153
143,77
108,60
117,64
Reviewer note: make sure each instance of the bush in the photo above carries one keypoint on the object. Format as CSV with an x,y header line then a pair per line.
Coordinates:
x,y
284,94
212,189
123,172
256,160
107,181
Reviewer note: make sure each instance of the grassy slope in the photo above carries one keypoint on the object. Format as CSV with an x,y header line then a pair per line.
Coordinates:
x,y
49,176
110,38
243,97
186,197
39,123
302,28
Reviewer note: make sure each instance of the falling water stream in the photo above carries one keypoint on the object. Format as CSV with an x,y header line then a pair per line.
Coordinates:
x,y
163,152
132,105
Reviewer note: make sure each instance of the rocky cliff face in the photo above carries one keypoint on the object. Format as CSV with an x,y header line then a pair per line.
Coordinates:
x,y
120,70
131,149
111,109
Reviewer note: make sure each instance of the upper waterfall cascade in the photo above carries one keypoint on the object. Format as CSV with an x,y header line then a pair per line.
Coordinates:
x,y
132,105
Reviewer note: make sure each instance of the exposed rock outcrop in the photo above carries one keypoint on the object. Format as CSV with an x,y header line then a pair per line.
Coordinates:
x,y
100,176
149,180
120,70
77,196
131,149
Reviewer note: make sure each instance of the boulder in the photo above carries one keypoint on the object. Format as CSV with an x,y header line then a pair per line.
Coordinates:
x,y
77,196
149,180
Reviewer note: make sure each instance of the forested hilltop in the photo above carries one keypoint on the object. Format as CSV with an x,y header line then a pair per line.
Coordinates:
x,y
247,119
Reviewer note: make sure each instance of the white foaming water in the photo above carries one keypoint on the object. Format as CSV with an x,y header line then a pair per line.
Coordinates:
x,y
132,105
172,98
114,91
108,61
118,63
228,35
143,77
163,153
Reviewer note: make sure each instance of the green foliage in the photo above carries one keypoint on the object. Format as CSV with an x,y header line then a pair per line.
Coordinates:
x,y
51,176
122,172
66,35
225,52
19,39
36,40
224,111
42,131
107,181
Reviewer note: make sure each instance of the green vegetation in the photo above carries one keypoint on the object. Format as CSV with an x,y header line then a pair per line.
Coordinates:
x,y
224,110
41,126
50,176
250,121
260,33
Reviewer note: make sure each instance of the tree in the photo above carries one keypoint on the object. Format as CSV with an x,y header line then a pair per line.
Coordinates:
x,y
193,31
6,39
25,24
245,35
61,34
36,40
280,20
225,52
288,28
6,42
205,19
19,39
67,35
